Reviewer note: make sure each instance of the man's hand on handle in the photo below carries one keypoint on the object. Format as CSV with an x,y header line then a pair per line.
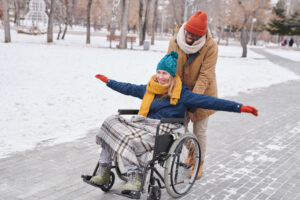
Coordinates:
x,y
249,109
102,78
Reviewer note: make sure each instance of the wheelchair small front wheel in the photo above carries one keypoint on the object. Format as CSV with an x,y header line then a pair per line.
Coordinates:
x,y
177,174
106,187
154,193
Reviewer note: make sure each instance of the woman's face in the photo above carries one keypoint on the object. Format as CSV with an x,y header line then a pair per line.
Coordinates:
x,y
163,76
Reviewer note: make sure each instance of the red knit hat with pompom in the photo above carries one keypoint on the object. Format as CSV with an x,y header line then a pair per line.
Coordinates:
x,y
197,24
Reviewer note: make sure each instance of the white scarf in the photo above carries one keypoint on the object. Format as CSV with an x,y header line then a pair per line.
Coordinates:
x,y
189,49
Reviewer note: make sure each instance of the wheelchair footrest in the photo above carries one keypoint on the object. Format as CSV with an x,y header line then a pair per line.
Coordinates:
x,y
105,187
87,178
132,194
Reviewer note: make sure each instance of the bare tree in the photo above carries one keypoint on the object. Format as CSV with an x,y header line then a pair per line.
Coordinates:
x,y
154,23
141,21
50,22
88,23
59,32
7,37
124,24
100,13
133,18
247,17
67,18
74,2
178,10
59,14
17,12
145,22
218,17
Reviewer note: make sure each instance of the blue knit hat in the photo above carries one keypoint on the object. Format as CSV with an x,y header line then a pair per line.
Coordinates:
x,y
169,63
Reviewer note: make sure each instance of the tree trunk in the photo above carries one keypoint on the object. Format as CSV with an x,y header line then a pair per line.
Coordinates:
x,y
113,25
145,22
59,32
50,22
95,24
88,23
243,41
227,38
141,22
173,4
17,12
247,17
67,19
124,24
65,31
72,20
7,37
221,35
154,23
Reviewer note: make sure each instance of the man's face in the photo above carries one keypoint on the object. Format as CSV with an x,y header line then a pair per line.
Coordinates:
x,y
190,38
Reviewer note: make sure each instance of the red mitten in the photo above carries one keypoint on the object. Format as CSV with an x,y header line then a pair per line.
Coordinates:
x,y
249,109
102,78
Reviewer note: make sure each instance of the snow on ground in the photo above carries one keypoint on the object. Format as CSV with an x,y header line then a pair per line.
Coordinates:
x,y
49,94
287,53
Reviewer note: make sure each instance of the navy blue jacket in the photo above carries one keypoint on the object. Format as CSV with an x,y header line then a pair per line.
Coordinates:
x,y
161,108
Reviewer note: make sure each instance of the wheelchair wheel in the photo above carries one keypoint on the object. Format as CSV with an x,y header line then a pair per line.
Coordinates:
x,y
120,170
177,177
107,187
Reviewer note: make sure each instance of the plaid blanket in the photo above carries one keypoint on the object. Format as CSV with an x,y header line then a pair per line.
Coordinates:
x,y
133,138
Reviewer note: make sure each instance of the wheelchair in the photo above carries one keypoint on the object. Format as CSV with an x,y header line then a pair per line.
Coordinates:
x,y
169,154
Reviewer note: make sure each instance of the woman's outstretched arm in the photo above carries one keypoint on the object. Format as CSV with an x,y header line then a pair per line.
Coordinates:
x,y
194,100
124,88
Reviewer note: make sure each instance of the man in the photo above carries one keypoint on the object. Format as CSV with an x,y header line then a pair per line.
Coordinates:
x,y
197,58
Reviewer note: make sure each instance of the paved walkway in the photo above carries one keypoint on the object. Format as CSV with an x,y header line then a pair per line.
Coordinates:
x,y
247,158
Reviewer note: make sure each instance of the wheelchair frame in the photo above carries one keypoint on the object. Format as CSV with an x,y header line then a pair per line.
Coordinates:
x,y
161,155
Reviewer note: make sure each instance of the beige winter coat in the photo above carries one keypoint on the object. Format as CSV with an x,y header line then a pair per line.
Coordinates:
x,y
199,75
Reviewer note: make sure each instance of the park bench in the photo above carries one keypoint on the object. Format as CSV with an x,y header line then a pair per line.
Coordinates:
x,y
110,38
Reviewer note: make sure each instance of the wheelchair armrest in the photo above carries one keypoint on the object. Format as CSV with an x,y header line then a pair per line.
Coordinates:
x,y
172,120
128,111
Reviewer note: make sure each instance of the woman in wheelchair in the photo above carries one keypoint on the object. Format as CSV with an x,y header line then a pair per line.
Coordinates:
x,y
163,97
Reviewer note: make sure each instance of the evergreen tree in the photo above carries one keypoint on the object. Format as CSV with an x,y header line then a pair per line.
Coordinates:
x,y
294,23
279,25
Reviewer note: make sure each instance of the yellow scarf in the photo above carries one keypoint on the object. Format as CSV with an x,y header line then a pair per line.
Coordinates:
x,y
154,88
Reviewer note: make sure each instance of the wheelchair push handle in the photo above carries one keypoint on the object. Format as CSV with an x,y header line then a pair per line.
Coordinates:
x,y
128,111
163,120
172,120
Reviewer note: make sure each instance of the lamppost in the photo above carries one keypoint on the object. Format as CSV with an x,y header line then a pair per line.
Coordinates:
x,y
251,29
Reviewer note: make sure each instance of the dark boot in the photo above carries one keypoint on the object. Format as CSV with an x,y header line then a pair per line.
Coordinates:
x,y
199,172
190,159
103,176
134,182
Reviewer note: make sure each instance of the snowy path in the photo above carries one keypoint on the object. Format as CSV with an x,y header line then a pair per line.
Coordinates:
x,y
247,158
